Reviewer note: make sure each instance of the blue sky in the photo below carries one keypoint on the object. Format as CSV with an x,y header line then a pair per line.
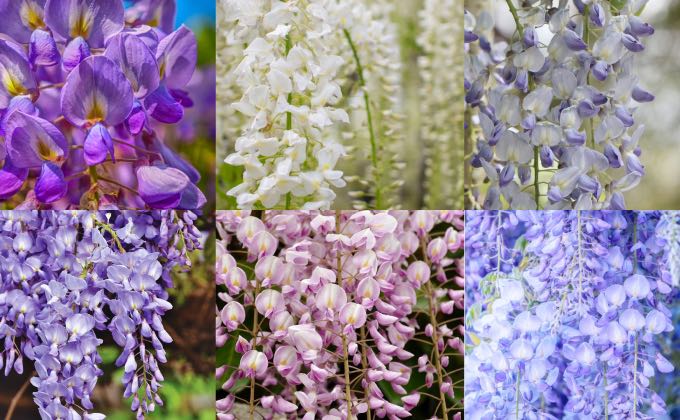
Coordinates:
x,y
188,10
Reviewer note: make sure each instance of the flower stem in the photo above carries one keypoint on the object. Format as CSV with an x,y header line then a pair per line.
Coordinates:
x,y
519,377
289,115
635,359
17,397
515,16
369,117
348,391
435,333
537,191
467,148
606,394
254,333
580,260
364,363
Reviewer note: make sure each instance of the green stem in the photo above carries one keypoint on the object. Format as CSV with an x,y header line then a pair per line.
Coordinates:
x,y
515,16
289,115
537,169
348,391
435,334
369,117
467,149
256,325
364,363
586,38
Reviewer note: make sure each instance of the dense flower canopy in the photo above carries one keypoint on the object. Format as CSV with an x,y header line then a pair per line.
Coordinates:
x,y
569,312
85,89
69,279
329,312
550,112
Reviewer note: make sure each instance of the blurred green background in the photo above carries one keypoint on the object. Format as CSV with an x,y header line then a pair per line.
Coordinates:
x,y
659,71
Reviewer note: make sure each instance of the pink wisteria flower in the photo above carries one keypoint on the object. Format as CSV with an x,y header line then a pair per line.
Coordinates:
x,y
333,315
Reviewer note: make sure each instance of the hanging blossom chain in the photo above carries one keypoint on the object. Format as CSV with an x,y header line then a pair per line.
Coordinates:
x,y
320,308
577,324
549,119
69,278
89,90
441,92
291,117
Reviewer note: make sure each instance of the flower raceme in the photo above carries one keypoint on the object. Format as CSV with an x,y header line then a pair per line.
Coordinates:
x,y
328,316
550,112
69,279
304,84
85,87
568,313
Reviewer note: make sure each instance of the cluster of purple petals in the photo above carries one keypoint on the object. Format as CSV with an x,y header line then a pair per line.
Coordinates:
x,y
321,306
68,278
86,88
565,314
551,111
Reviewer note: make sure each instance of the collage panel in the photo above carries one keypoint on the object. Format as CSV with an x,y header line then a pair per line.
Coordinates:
x,y
339,315
351,104
572,314
560,112
99,314
107,104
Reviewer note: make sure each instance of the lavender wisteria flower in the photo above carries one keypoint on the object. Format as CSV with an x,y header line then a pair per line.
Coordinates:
x,y
567,312
335,315
550,111
86,87
70,278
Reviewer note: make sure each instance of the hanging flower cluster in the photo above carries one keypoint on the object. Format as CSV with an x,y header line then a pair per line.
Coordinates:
x,y
312,97
335,314
86,87
550,114
441,129
70,277
288,75
568,312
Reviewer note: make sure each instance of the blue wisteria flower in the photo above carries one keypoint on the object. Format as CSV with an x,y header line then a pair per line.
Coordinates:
x,y
85,89
550,112
568,312
70,278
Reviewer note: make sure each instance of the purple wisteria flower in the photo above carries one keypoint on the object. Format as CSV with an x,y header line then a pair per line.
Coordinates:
x,y
86,87
566,313
67,279
340,315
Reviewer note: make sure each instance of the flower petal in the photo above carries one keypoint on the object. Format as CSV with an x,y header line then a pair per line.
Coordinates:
x,y
163,107
94,20
96,91
11,179
75,52
160,187
32,140
42,50
98,144
176,57
50,186
16,77
137,62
